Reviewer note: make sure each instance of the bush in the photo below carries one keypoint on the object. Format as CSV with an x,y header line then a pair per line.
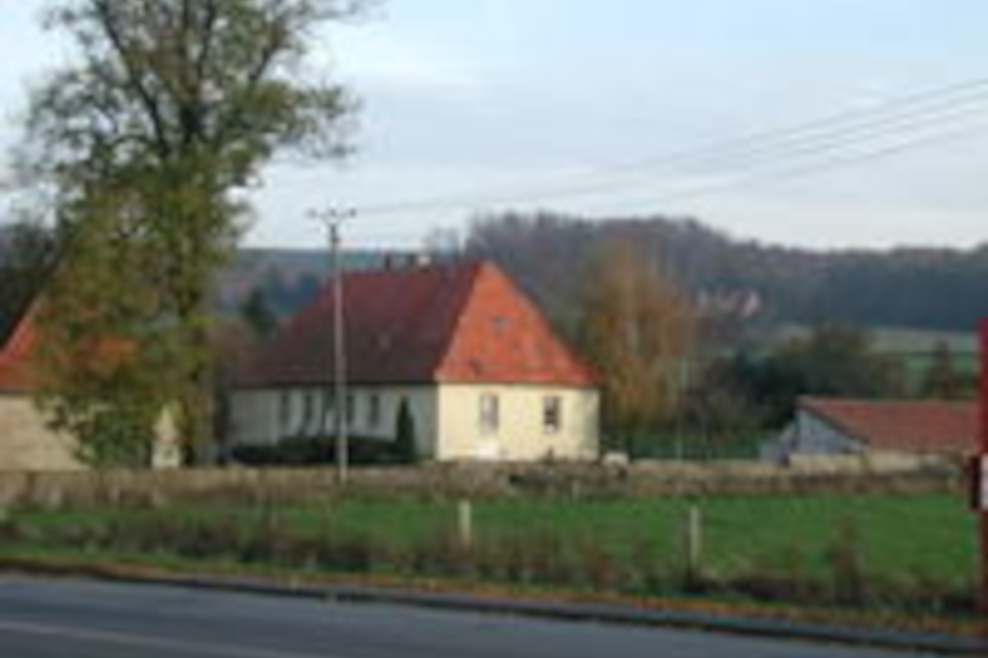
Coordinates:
x,y
306,451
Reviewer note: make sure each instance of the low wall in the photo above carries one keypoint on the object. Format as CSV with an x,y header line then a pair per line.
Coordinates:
x,y
467,480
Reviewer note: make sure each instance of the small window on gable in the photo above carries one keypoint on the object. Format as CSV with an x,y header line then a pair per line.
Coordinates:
x,y
490,413
552,414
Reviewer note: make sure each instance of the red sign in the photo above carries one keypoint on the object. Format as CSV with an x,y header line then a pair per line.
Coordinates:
x,y
978,478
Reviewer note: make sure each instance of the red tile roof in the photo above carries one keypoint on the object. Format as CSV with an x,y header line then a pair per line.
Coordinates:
x,y
906,425
16,354
453,322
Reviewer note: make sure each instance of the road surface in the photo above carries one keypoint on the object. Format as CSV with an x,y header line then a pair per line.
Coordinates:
x,y
83,619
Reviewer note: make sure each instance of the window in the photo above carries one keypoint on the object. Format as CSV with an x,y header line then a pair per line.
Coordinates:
x,y
374,410
490,413
328,405
308,410
351,408
552,414
285,410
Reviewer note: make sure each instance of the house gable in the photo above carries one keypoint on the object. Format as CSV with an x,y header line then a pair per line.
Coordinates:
x,y
502,338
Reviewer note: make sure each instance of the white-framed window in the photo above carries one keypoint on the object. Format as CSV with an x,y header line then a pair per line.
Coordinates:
x,y
552,414
308,410
490,413
284,410
373,410
328,407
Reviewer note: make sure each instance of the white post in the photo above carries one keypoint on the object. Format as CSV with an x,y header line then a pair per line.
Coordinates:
x,y
694,541
465,523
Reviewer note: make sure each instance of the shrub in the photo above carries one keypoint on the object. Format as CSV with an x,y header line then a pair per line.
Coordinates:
x,y
307,451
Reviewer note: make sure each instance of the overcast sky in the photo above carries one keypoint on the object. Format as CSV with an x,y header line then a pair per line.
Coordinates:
x,y
496,104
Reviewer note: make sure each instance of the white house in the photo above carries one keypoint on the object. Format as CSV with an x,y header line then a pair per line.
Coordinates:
x,y
881,430
474,361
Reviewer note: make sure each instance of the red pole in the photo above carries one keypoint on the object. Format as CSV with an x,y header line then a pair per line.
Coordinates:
x,y
982,454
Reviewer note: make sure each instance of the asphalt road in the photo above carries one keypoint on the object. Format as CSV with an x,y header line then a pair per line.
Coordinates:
x,y
82,619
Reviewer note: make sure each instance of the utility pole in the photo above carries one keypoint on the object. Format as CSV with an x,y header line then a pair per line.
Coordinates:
x,y
333,218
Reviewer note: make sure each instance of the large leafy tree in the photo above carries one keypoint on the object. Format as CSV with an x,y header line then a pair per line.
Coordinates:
x,y
171,109
638,330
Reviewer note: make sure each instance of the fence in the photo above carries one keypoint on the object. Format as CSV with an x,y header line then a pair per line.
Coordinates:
x,y
637,480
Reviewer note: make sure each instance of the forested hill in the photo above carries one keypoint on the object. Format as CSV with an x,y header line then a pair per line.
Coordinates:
x,y
915,287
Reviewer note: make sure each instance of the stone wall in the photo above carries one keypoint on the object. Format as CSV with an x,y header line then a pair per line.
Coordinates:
x,y
473,481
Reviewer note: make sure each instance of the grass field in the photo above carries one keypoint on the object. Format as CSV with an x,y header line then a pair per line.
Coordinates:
x,y
890,537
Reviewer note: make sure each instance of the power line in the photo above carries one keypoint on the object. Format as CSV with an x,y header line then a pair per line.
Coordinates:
x,y
826,135
822,166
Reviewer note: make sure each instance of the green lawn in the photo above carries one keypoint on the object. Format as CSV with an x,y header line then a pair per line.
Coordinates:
x,y
896,537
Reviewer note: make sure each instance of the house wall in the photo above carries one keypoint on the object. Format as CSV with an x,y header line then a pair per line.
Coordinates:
x,y
809,436
267,416
816,436
26,443
447,419
521,433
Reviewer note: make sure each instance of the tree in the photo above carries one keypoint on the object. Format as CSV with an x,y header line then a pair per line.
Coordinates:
x,y
405,449
105,361
941,379
258,314
637,329
834,360
174,106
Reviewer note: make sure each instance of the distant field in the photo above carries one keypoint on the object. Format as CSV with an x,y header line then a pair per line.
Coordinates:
x,y
898,538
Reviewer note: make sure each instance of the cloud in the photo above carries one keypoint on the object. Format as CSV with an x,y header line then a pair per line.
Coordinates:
x,y
379,58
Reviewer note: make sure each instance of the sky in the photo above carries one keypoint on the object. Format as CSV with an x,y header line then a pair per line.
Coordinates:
x,y
612,108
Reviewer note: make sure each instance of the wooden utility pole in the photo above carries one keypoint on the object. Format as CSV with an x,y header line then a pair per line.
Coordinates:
x,y
333,218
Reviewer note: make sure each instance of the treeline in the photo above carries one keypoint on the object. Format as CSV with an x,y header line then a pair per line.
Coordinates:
x,y
924,288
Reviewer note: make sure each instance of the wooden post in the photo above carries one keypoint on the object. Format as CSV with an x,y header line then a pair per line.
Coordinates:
x,y
693,541
465,523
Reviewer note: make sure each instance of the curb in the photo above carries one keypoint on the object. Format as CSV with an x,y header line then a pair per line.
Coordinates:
x,y
609,613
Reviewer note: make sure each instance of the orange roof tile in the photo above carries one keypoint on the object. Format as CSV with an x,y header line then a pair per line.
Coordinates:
x,y
15,355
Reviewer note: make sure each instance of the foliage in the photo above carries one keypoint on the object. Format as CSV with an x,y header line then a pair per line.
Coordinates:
x,y
406,450
920,287
942,379
104,362
308,451
637,331
172,107
832,360
258,314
